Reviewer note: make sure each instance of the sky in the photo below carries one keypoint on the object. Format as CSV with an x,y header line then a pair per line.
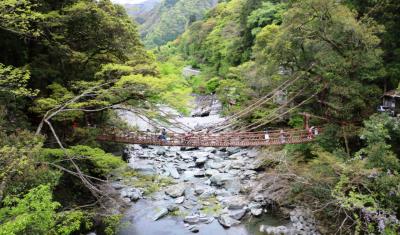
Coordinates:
x,y
127,1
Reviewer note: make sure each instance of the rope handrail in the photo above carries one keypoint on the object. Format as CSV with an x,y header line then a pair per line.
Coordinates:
x,y
261,101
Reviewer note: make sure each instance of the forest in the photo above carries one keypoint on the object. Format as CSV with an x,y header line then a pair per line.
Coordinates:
x,y
68,68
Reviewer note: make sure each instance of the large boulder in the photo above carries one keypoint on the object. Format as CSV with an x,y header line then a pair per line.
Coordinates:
x,y
176,190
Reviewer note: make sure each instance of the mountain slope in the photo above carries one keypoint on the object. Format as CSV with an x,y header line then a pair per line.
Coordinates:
x,y
167,20
136,11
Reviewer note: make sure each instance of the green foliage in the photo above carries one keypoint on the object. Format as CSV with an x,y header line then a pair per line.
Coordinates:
x,y
15,81
212,85
36,213
111,223
91,160
20,17
376,135
268,13
232,92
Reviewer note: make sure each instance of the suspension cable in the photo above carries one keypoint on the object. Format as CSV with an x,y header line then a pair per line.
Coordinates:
x,y
275,112
259,102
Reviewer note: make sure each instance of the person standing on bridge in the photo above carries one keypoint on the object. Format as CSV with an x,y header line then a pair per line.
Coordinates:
x,y
266,135
282,136
163,135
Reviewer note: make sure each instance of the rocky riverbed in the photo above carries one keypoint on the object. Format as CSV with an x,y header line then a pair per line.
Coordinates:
x,y
177,190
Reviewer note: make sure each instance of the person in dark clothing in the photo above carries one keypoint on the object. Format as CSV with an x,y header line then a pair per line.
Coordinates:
x,y
163,135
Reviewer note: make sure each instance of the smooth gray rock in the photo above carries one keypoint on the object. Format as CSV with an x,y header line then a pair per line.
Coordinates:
x,y
161,152
188,175
215,165
226,221
199,173
161,213
179,200
172,207
132,193
210,172
235,202
117,186
173,172
206,219
191,219
232,150
220,179
201,160
237,214
144,168
232,185
176,190
199,189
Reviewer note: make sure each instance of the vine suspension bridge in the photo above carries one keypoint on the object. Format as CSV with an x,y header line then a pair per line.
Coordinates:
x,y
228,139
222,134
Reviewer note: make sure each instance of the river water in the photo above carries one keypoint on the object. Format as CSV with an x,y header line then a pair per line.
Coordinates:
x,y
216,182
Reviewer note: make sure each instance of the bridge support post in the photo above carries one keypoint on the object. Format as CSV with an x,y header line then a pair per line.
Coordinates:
x,y
306,119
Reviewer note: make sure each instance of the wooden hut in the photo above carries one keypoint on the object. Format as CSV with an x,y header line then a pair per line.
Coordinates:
x,y
391,103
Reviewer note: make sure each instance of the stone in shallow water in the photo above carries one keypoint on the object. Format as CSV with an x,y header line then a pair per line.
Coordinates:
x,y
180,200
191,219
206,219
132,193
176,190
172,207
161,213
194,228
237,214
226,221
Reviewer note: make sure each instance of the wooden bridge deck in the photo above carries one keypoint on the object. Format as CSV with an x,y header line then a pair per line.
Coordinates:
x,y
232,139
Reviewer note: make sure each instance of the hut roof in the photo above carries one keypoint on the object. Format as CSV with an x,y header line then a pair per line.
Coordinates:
x,y
393,93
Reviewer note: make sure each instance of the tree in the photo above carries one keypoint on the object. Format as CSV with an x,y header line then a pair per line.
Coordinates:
x,y
345,51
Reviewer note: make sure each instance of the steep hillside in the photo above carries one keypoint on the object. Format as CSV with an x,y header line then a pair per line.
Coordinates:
x,y
136,11
166,21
